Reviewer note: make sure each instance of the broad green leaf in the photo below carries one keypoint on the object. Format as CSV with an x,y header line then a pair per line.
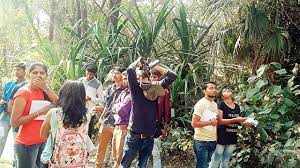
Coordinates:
x,y
265,111
261,83
280,72
262,69
297,143
287,135
289,102
289,143
276,65
263,134
252,92
275,90
251,79
275,116
283,109
289,124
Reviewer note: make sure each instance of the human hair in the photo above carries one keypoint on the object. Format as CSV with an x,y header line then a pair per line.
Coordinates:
x,y
119,68
155,72
205,84
36,64
72,100
20,65
91,67
145,74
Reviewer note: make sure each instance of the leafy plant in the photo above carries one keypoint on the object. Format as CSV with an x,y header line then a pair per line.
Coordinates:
x,y
273,142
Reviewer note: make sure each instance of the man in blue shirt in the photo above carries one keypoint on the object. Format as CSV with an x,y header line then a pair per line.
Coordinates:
x,y
8,88
142,122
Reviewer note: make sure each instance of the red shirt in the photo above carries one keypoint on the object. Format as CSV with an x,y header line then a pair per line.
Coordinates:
x,y
29,133
164,108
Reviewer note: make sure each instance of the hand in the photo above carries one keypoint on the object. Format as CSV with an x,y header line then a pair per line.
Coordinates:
x,y
41,83
240,119
164,134
214,122
138,62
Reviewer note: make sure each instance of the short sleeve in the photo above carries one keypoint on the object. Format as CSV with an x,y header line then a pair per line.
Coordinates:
x,y
198,110
220,105
22,92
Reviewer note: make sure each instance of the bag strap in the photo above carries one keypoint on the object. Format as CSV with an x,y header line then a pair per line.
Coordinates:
x,y
54,116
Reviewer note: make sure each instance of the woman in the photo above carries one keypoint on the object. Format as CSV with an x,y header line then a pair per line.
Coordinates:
x,y
28,143
68,126
228,120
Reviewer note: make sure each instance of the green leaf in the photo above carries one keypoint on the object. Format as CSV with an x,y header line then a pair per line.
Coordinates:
x,y
289,143
252,92
265,111
289,124
275,116
276,65
251,79
281,72
275,90
261,83
297,143
263,134
287,135
289,102
262,69
283,109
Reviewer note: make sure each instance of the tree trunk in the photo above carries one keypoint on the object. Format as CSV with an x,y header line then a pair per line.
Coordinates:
x,y
52,19
78,17
113,18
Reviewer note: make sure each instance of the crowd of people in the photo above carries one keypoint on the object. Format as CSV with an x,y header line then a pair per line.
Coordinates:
x,y
55,130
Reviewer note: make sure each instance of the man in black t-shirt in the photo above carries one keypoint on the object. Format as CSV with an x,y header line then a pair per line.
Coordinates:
x,y
228,120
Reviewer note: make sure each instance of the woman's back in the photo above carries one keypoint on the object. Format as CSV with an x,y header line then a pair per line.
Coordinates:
x,y
70,147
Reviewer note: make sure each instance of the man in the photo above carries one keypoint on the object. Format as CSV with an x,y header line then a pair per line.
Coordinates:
x,y
107,120
8,88
121,109
163,118
142,121
94,93
204,122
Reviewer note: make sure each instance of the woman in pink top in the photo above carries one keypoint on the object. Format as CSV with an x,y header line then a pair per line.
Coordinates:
x,y
28,143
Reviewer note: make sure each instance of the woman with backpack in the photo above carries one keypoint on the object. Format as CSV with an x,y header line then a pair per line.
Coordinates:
x,y
28,143
67,126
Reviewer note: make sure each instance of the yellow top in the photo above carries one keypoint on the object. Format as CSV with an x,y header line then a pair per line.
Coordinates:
x,y
206,110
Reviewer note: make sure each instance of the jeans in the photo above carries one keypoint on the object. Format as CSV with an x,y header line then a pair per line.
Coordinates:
x,y
4,130
156,153
222,154
135,145
29,155
203,151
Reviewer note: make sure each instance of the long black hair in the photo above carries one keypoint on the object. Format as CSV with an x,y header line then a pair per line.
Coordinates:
x,y
72,100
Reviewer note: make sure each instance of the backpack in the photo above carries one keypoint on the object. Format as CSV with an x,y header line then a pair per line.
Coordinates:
x,y
69,149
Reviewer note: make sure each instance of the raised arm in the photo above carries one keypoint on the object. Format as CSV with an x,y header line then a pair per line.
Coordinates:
x,y
170,76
